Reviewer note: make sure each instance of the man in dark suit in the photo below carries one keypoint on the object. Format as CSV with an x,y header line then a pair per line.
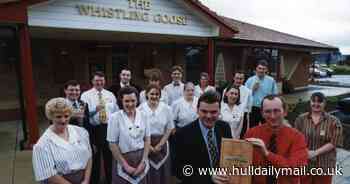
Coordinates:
x,y
80,115
198,144
124,80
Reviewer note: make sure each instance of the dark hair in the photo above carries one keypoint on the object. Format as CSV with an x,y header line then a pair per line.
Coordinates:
x,y
70,83
176,67
240,72
209,97
319,96
153,86
238,101
126,91
262,62
125,68
99,74
271,97
187,84
204,74
154,75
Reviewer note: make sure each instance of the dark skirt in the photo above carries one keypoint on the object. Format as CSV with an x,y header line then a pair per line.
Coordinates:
x,y
133,158
160,171
75,177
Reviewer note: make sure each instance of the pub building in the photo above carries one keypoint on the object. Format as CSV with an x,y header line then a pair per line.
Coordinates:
x,y
43,44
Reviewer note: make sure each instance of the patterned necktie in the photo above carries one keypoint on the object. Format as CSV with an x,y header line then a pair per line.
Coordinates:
x,y
212,149
75,105
271,179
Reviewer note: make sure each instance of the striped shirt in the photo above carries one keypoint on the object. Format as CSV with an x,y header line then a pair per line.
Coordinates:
x,y
328,130
53,155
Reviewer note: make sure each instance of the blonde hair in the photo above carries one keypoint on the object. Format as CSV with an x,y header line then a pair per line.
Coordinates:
x,y
57,105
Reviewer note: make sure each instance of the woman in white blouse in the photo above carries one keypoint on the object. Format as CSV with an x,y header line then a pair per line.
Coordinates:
x,y
154,79
128,134
63,152
185,108
203,85
159,116
231,110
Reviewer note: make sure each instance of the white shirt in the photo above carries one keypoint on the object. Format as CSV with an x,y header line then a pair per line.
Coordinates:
x,y
163,97
246,98
184,112
129,136
233,117
92,99
160,120
198,90
174,92
52,155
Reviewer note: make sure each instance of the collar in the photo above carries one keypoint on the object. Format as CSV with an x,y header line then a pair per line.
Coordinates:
x,y
72,137
71,102
137,117
204,129
96,91
148,110
176,84
123,85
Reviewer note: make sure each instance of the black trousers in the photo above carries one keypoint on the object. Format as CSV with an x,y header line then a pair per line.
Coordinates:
x,y
102,149
255,117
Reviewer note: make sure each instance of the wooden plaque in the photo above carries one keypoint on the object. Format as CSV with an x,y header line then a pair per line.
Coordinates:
x,y
238,153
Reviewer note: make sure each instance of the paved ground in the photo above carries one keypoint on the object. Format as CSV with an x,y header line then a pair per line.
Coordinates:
x,y
305,94
340,79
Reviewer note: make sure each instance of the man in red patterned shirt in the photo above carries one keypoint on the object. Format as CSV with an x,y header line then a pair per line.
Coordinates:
x,y
276,144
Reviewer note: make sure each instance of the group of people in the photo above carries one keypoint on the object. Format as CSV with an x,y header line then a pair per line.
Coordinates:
x,y
150,135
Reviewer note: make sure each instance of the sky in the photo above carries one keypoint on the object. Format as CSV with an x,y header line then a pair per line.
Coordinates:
x,y
326,21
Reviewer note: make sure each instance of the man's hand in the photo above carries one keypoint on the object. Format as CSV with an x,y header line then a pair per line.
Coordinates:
x,y
260,143
256,86
220,179
99,108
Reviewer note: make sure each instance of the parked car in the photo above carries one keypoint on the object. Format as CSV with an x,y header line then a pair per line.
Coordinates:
x,y
318,70
342,111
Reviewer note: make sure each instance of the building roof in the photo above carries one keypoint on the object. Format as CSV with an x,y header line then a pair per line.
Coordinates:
x,y
256,33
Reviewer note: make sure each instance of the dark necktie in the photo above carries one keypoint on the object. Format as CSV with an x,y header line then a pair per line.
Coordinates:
x,y
273,149
212,149
75,105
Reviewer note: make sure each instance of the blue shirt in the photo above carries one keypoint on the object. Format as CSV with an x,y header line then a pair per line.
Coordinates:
x,y
205,131
267,86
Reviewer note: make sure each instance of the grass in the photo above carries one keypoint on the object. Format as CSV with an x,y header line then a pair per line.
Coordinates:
x,y
341,69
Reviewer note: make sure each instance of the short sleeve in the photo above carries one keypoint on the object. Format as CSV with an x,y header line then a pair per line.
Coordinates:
x,y
337,133
248,83
274,87
175,110
85,136
113,129
298,123
147,128
170,119
43,163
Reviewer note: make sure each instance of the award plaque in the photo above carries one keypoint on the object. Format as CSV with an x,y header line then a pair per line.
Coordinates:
x,y
237,154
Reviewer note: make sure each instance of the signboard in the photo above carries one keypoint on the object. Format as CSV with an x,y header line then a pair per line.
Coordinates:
x,y
171,17
236,154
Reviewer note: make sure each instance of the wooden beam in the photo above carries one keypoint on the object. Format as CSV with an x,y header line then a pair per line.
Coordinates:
x,y
28,85
211,60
